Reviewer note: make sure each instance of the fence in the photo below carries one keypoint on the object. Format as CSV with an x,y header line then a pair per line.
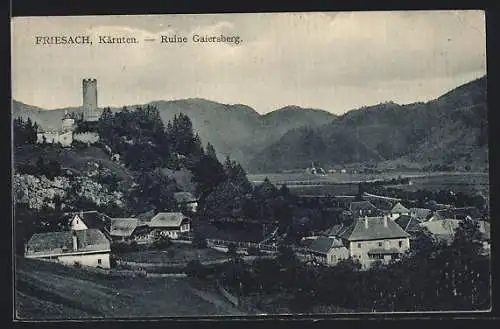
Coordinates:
x,y
241,245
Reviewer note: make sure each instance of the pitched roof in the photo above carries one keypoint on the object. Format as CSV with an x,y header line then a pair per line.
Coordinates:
x,y
408,223
356,206
374,228
184,197
442,227
167,219
93,219
62,242
323,244
421,214
123,227
399,208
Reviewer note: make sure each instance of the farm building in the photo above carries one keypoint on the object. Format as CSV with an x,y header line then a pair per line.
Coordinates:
x,y
87,247
130,229
186,199
170,224
372,239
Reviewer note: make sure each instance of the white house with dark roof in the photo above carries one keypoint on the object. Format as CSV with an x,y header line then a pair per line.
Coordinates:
x,y
398,210
325,250
87,247
371,239
170,224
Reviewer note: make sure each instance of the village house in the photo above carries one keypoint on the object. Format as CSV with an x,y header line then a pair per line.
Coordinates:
x,y
85,247
170,224
398,210
371,239
187,200
131,230
324,250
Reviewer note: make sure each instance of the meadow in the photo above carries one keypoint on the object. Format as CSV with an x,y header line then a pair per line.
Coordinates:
x,y
52,291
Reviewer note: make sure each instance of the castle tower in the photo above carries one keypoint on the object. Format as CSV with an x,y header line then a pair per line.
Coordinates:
x,y
90,111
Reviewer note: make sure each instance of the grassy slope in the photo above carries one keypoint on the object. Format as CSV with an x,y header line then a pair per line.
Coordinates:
x,y
54,291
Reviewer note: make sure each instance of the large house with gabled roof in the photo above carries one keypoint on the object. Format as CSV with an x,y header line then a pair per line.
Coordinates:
x,y
371,239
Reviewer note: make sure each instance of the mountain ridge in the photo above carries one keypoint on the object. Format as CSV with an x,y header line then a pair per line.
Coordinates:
x,y
449,129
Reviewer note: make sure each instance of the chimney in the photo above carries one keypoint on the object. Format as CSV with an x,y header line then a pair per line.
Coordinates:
x,y
75,241
366,222
385,221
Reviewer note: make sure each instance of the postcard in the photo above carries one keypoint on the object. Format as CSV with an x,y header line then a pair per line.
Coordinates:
x,y
243,165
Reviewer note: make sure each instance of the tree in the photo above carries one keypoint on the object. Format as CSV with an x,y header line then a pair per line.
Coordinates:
x,y
154,189
207,174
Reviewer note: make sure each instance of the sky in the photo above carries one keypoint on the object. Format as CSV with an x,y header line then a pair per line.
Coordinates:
x,y
335,61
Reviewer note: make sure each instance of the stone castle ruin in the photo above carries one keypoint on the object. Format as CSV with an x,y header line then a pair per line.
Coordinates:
x,y
66,134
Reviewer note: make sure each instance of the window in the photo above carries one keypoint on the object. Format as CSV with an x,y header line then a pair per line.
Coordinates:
x,y
380,244
400,244
99,261
359,245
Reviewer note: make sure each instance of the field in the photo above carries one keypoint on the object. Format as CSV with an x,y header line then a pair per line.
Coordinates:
x,y
52,291
176,253
465,183
346,184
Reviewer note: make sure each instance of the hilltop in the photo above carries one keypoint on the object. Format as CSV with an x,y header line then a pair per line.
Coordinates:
x,y
451,129
236,130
